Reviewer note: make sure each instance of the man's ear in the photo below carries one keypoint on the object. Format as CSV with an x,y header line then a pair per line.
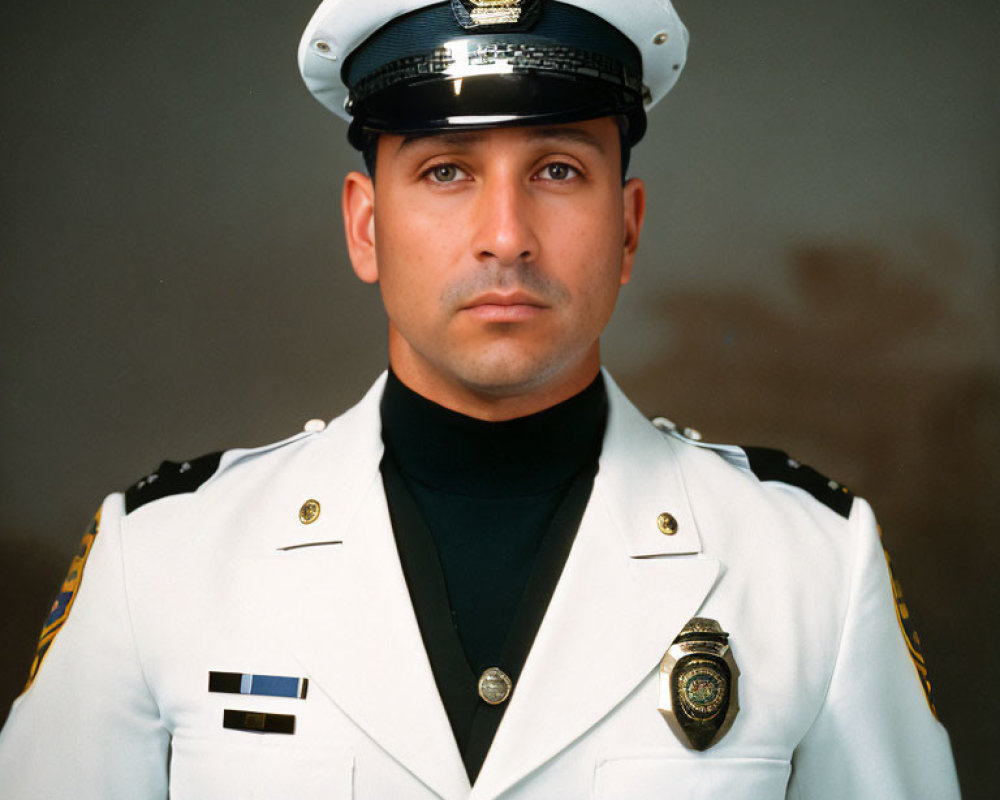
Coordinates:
x,y
633,211
358,206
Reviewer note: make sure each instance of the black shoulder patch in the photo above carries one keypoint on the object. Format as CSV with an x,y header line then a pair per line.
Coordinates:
x,y
775,465
171,477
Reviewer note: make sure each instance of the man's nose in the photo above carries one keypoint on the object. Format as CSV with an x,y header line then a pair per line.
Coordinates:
x,y
504,229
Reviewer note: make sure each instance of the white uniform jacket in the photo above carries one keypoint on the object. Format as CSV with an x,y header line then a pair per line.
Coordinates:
x,y
227,578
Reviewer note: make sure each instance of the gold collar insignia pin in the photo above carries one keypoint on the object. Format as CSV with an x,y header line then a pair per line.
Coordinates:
x,y
698,683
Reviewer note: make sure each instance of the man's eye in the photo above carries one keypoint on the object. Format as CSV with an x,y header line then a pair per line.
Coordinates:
x,y
445,173
557,171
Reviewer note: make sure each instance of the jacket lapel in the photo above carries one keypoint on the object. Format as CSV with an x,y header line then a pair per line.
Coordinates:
x,y
352,626
626,591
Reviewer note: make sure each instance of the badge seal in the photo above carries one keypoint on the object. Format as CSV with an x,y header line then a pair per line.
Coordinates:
x,y
698,684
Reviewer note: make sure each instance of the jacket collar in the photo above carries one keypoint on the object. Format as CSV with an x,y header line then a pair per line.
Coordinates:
x,y
625,592
640,478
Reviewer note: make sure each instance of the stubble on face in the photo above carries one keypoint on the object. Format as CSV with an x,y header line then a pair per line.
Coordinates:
x,y
503,366
520,276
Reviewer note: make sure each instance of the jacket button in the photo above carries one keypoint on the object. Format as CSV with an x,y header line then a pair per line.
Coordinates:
x,y
495,686
667,524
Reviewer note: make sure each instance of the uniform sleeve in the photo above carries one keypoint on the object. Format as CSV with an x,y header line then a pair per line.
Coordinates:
x,y
875,737
87,726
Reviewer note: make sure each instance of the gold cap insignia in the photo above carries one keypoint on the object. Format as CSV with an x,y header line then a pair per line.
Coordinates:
x,y
472,14
698,684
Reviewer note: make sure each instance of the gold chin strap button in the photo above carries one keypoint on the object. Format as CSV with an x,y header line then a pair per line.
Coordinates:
x,y
667,524
495,686
309,512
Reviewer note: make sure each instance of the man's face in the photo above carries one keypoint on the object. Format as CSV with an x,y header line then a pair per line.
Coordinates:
x,y
499,254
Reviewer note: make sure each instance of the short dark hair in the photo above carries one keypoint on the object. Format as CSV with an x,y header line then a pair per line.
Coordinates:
x,y
369,151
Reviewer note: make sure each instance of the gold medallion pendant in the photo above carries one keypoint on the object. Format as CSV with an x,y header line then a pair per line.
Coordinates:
x,y
698,684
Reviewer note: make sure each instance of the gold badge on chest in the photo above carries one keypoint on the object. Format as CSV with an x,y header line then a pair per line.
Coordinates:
x,y
698,684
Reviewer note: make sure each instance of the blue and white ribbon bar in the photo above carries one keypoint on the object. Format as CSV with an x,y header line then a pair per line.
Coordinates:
x,y
266,685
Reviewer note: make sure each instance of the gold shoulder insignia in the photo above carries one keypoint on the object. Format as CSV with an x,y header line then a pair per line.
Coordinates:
x,y
911,636
64,600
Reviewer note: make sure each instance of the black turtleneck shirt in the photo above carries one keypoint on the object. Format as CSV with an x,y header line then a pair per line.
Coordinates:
x,y
484,514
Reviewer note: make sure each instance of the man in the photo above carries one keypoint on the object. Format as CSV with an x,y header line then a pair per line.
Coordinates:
x,y
492,577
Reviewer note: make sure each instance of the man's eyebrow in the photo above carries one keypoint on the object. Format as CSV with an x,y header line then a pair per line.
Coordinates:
x,y
460,138
575,135
450,138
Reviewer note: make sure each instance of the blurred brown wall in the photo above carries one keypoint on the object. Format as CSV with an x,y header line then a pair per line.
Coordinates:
x,y
819,272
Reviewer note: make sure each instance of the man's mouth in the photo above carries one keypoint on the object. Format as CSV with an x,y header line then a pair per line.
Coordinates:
x,y
498,306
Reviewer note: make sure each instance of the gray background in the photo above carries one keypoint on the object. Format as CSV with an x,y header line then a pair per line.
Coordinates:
x,y
819,272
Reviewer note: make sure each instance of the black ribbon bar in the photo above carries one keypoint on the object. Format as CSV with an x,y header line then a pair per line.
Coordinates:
x,y
258,721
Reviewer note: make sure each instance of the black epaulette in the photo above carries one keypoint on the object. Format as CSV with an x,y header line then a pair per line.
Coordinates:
x,y
774,465
171,477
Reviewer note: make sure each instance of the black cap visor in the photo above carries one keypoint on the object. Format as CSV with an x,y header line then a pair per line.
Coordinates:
x,y
490,101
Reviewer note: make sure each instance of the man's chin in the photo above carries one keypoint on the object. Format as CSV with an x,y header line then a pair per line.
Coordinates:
x,y
505,376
